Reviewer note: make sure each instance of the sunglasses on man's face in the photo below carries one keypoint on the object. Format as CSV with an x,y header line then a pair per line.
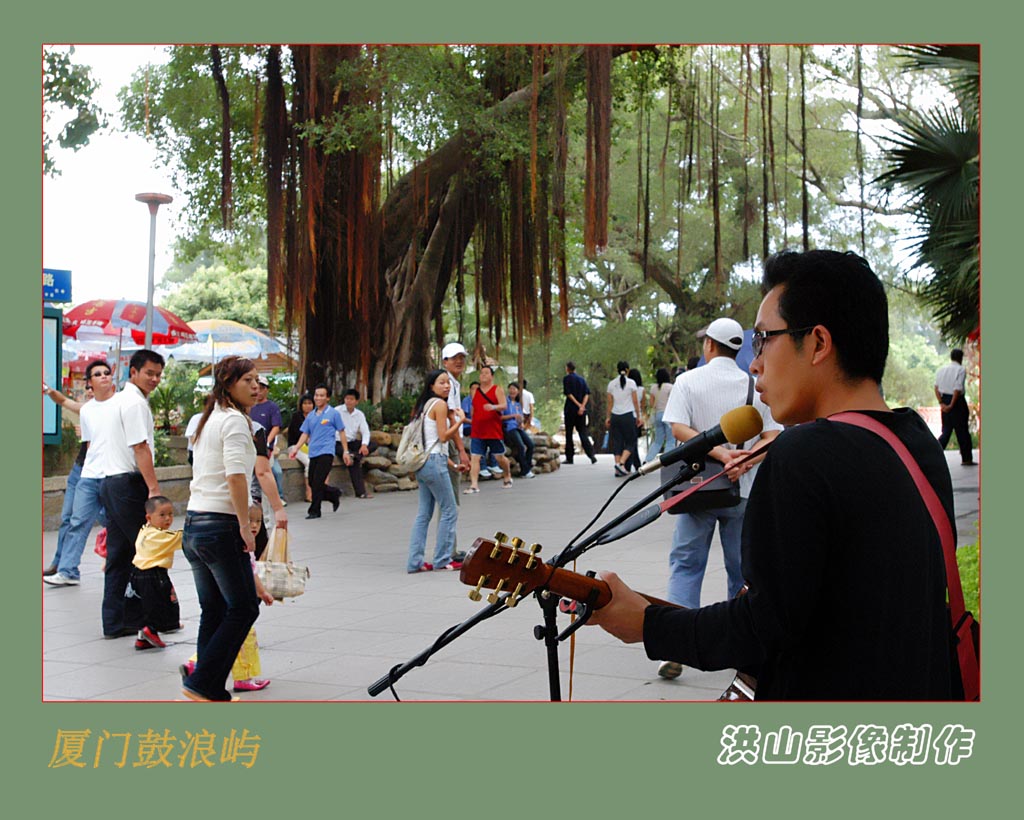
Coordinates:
x,y
96,373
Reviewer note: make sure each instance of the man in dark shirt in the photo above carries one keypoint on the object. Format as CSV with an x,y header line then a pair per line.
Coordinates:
x,y
844,566
267,412
577,397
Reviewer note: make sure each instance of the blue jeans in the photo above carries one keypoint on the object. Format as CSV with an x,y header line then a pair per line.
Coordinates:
x,y
86,507
275,469
65,511
227,598
663,439
691,542
523,444
435,485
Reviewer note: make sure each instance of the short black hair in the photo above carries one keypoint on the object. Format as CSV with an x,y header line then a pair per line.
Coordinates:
x,y
93,365
155,501
141,357
956,355
570,366
351,392
324,387
841,292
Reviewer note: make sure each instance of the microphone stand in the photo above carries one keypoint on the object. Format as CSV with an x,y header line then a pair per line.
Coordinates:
x,y
549,604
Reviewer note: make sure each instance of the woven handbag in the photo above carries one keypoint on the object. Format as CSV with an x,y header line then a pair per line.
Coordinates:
x,y
279,576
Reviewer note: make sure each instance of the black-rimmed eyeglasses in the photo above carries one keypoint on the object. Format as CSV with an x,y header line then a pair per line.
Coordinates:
x,y
759,337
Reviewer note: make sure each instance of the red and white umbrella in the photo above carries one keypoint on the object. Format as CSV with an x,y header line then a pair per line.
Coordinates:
x,y
122,318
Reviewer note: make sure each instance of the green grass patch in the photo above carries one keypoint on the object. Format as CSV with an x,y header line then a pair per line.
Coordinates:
x,y
967,560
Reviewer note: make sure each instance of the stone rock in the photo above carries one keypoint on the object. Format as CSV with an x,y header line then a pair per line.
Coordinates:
x,y
406,483
386,488
379,477
398,470
377,462
380,438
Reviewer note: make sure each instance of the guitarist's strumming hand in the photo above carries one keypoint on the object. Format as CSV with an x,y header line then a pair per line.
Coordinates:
x,y
623,617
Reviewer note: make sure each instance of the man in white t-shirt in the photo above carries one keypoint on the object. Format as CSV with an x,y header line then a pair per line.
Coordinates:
x,y
86,505
453,360
527,400
357,436
699,398
130,479
950,390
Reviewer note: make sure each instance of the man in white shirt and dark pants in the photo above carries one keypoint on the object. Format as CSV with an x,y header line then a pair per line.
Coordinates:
x,y
129,481
950,390
357,436
699,398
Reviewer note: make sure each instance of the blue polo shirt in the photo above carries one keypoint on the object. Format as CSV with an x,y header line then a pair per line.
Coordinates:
x,y
321,429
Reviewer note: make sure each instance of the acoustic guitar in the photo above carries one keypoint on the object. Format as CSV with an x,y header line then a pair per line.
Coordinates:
x,y
508,568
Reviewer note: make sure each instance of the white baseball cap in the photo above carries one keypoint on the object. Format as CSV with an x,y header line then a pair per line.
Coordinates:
x,y
452,349
728,332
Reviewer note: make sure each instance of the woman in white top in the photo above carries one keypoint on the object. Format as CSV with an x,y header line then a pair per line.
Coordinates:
x,y
439,425
659,399
217,538
622,418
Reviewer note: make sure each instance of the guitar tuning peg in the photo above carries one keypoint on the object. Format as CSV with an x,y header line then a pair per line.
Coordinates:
x,y
493,597
500,537
513,599
517,543
532,560
474,594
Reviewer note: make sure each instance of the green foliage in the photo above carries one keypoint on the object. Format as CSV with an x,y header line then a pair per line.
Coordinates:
x,y
58,458
968,560
282,391
161,443
175,399
219,293
67,92
397,409
910,371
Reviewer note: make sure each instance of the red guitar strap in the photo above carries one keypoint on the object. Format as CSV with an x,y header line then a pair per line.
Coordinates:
x,y
961,621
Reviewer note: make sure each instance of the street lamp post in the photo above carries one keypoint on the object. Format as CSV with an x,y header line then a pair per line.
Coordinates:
x,y
154,201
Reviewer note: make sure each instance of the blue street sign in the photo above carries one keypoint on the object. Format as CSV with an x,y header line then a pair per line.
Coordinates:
x,y
56,285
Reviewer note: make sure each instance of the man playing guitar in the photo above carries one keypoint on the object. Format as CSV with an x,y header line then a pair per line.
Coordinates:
x,y
843,561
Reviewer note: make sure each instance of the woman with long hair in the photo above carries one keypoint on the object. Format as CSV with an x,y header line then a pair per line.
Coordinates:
x,y
217,537
622,418
435,485
303,409
659,399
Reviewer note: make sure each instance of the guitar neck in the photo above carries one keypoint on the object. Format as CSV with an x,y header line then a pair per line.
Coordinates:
x,y
582,587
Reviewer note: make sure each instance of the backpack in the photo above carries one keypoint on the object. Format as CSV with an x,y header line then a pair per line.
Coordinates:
x,y
412,448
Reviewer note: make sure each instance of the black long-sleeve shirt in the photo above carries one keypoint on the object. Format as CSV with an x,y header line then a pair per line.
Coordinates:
x,y
845,571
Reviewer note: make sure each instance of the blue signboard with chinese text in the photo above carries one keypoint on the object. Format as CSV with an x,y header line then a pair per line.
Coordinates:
x,y
56,285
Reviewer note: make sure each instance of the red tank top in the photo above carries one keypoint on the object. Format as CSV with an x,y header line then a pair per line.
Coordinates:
x,y
486,423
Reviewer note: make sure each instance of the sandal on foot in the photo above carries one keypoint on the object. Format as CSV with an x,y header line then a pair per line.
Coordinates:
x,y
470,490
251,685
507,484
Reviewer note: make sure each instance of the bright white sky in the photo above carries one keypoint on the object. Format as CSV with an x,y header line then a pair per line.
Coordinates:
x,y
92,224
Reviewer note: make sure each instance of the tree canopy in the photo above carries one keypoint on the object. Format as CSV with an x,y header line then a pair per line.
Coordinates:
x,y
409,195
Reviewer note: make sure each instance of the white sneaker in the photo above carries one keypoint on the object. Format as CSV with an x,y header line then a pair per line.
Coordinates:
x,y
530,474
61,580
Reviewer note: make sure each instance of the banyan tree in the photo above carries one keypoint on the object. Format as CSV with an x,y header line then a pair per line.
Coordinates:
x,y
409,195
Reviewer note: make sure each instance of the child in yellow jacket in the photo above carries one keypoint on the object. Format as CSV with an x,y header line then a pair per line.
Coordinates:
x,y
150,582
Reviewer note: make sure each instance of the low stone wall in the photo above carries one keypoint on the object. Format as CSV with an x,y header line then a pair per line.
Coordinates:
x,y
383,475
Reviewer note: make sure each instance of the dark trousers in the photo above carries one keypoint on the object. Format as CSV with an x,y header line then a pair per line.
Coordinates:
x,y
574,420
124,498
955,420
319,469
227,598
623,433
157,598
355,469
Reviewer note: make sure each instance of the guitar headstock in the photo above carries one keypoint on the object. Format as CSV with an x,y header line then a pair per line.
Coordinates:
x,y
503,567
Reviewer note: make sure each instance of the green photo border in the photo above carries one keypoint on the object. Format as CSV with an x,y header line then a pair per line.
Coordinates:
x,y
593,760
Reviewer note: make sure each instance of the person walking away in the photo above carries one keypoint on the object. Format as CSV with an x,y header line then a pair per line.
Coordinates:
x,y
659,399
574,413
439,426
622,418
950,390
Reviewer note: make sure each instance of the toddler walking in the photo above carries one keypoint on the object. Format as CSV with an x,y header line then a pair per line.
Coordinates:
x,y
150,583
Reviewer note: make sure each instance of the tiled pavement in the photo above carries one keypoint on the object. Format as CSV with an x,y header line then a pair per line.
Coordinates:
x,y
362,614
